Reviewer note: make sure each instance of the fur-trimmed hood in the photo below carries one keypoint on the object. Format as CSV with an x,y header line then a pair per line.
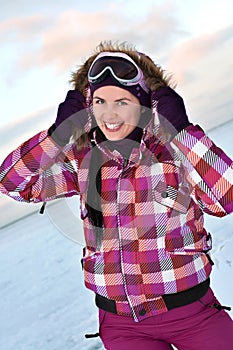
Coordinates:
x,y
155,78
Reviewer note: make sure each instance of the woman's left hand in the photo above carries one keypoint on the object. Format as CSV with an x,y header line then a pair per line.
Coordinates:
x,y
171,110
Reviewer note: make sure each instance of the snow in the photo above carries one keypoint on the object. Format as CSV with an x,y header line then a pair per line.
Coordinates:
x,y
44,303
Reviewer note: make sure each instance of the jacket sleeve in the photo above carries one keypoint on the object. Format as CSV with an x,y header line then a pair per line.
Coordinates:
x,y
208,169
38,170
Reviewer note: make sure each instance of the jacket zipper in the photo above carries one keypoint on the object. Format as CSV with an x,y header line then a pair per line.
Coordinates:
x,y
124,163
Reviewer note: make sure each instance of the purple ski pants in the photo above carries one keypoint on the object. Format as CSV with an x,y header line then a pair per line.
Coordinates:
x,y
196,326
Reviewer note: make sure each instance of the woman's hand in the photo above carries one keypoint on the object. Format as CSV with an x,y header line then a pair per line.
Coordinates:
x,y
171,110
70,113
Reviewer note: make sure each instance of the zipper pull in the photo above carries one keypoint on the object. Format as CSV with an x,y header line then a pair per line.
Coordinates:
x,y
125,162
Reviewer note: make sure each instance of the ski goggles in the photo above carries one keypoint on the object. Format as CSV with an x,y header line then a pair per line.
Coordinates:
x,y
120,65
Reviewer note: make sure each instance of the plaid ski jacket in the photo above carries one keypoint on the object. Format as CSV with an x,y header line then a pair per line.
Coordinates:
x,y
154,242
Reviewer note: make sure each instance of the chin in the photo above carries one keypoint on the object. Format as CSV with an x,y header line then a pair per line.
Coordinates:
x,y
116,136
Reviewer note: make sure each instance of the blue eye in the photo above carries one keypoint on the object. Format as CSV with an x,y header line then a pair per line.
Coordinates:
x,y
99,101
122,103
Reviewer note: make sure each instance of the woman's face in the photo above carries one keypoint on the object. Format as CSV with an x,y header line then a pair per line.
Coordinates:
x,y
116,111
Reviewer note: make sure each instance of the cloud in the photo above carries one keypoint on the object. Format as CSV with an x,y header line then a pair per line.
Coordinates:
x,y
73,35
59,41
192,51
23,28
202,69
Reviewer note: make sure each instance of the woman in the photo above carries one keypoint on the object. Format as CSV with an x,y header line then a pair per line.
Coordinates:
x,y
145,175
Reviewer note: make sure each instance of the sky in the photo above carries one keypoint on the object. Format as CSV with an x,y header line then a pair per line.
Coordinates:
x,y
42,43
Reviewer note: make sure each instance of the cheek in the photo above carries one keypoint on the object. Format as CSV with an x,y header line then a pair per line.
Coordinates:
x,y
133,119
97,112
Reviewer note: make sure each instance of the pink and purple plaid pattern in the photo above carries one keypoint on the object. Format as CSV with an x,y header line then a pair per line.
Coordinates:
x,y
154,242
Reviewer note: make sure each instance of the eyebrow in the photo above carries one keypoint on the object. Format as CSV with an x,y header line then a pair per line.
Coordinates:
x,y
118,100
123,98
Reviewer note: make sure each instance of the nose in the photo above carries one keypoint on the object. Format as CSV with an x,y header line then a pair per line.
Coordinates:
x,y
110,110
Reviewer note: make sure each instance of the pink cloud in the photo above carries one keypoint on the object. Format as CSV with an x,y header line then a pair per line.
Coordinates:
x,y
22,28
185,56
74,34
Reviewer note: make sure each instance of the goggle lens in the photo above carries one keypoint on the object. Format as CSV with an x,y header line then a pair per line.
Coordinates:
x,y
120,67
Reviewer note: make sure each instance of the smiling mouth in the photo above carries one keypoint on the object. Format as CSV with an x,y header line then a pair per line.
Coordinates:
x,y
113,126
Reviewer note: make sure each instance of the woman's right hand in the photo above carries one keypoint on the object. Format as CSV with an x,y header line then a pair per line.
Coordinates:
x,y
70,113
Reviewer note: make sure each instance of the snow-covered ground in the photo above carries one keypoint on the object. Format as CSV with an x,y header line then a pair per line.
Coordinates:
x,y
43,302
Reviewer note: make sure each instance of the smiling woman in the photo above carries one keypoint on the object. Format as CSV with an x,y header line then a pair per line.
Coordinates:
x,y
145,175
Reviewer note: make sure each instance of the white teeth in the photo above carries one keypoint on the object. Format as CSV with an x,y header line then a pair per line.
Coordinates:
x,y
113,125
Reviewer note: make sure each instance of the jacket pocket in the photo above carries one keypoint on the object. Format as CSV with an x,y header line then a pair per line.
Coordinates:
x,y
182,236
175,197
186,242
